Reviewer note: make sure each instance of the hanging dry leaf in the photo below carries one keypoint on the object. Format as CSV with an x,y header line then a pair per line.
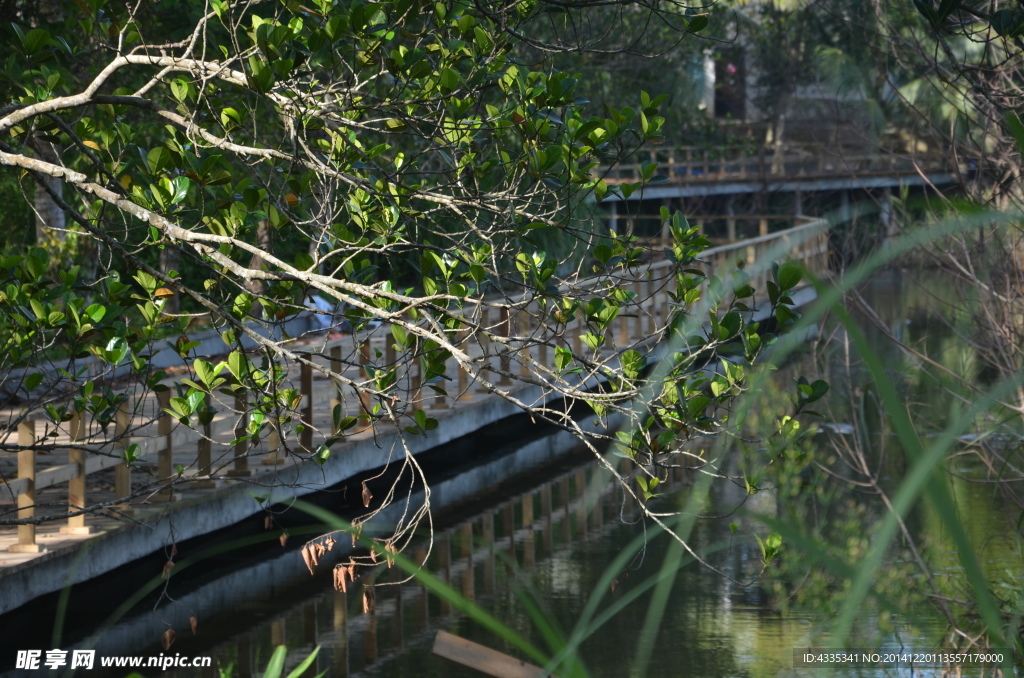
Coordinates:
x,y
350,571
368,599
194,621
373,555
389,552
168,566
307,557
615,585
318,552
174,550
163,293
329,542
340,579
367,495
268,522
167,639
283,538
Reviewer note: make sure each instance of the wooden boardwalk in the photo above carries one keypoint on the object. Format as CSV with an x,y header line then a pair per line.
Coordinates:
x,y
688,172
793,161
43,484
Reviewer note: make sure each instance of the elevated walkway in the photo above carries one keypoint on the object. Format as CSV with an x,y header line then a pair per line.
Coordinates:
x,y
219,482
689,171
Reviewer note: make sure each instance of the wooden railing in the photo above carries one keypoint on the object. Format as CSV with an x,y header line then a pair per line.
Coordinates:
x,y
720,229
180,451
689,164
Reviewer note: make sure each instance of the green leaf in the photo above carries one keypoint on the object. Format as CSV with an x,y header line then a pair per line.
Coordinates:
x,y
790,276
115,351
33,380
449,79
131,453
947,7
563,357
261,75
633,363
179,89
276,664
400,335
698,23
158,159
238,364
35,40
36,262
230,118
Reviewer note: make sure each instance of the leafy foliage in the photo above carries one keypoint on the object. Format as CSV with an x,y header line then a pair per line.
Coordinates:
x,y
401,160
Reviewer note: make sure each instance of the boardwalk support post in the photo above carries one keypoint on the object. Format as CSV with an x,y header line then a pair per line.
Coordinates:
x,y
76,486
27,499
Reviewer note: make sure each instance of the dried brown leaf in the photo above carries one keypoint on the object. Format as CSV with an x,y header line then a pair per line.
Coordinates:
x,y
373,555
615,585
340,579
168,566
329,542
367,495
307,557
167,639
174,550
318,552
268,522
389,552
194,621
283,538
368,599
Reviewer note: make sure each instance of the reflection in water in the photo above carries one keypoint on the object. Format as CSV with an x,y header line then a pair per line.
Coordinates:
x,y
549,545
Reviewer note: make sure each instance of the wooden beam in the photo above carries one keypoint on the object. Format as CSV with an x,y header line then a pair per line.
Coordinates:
x,y
483,659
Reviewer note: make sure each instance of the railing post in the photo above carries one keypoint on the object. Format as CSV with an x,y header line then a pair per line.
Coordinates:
x,y
339,395
76,486
306,387
485,346
504,330
649,299
273,441
464,388
241,467
122,472
364,359
577,326
164,429
416,384
27,499
523,329
204,456
623,328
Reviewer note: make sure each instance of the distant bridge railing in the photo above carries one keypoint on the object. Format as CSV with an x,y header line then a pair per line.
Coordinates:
x,y
720,229
681,165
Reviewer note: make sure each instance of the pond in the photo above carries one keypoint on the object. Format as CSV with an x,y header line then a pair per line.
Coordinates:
x,y
553,540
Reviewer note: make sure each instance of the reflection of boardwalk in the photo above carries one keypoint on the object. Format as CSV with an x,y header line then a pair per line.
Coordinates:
x,y
224,477
476,558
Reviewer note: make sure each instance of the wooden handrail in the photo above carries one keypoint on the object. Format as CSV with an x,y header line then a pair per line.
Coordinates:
x,y
161,442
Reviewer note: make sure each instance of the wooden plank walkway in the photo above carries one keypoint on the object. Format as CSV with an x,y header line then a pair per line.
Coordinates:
x,y
41,484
